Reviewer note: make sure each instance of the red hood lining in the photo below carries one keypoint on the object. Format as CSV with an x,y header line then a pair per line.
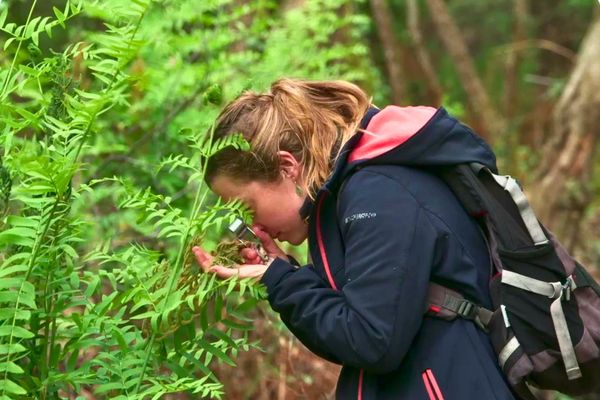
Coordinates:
x,y
388,129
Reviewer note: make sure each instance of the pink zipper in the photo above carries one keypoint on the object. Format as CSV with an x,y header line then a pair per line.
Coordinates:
x,y
360,384
330,277
322,245
431,385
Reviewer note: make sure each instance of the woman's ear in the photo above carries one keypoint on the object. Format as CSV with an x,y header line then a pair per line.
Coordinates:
x,y
289,166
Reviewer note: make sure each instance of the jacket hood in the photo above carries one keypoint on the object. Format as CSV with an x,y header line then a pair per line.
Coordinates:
x,y
410,136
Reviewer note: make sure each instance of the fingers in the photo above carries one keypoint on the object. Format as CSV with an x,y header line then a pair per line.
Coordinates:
x,y
267,241
241,271
264,237
204,259
250,256
255,270
224,272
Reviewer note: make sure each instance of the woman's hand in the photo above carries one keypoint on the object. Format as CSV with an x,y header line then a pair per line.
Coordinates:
x,y
241,270
253,267
273,251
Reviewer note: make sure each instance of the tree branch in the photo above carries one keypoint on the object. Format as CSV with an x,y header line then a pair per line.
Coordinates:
x,y
422,54
493,123
385,31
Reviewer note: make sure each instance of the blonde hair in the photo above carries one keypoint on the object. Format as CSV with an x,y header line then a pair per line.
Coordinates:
x,y
312,120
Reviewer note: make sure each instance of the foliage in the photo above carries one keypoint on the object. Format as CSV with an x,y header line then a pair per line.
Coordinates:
x,y
98,289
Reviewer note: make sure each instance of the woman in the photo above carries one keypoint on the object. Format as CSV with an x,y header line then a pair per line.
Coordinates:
x,y
326,165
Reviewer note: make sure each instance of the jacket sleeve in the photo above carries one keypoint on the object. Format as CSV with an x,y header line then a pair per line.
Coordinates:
x,y
390,247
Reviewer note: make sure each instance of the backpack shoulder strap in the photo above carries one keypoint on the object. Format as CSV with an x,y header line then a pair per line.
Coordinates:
x,y
448,304
496,201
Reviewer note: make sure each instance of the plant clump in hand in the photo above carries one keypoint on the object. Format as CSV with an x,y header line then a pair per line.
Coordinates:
x,y
227,252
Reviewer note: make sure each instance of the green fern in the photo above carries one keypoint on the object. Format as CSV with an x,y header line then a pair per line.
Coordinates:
x,y
98,289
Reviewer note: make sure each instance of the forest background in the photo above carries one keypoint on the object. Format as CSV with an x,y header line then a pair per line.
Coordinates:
x,y
104,109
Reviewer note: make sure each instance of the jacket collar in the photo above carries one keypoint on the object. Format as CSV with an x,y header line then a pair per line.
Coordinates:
x,y
340,166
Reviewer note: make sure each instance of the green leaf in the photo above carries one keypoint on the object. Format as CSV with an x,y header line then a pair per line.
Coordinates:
x,y
7,271
10,27
31,26
108,387
215,351
8,283
8,42
74,280
15,331
236,325
59,16
89,291
203,368
16,220
72,360
247,305
218,308
120,339
11,368
144,315
204,319
28,295
232,282
214,95
69,251
3,17
20,231
36,174
7,237
9,386
9,314
11,348
223,336
48,29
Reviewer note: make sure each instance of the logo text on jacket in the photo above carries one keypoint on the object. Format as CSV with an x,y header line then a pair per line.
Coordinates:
x,y
355,217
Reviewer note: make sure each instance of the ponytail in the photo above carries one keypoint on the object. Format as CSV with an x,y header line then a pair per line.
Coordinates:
x,y
312,120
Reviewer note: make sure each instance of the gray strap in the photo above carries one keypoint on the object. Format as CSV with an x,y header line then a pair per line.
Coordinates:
x,y
483,318
557,291
452,305
508,349
548,289
564,339
467,310
531,222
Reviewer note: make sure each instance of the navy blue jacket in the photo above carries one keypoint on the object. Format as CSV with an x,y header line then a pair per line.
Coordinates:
x,y
381,229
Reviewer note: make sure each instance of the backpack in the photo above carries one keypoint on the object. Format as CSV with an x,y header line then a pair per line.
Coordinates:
x,y
545,321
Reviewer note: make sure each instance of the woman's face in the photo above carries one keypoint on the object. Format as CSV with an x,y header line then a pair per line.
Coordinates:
x,y
275,205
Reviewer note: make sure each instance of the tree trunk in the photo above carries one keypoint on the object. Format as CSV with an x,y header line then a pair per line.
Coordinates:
x,y
513,58
385,30
287,5
246,20
562,192
422,55
454,42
